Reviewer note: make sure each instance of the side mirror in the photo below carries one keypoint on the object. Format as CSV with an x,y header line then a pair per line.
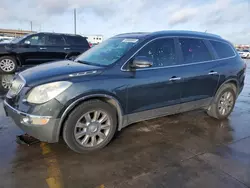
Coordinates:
x,y
27,42
141,62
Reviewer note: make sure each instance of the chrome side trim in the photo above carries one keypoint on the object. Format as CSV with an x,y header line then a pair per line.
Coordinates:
x,y
25,114
72,105
126,70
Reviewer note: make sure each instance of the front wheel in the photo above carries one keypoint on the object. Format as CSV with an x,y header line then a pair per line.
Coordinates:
x,y
223,103
8,64
90,126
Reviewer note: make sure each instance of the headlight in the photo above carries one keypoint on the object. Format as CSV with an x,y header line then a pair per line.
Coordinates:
x,y
46,92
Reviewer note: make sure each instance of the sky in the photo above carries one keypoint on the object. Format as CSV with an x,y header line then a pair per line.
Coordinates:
x,y
228,18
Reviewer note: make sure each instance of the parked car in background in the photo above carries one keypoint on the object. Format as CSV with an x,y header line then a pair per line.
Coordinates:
x,y
126,79
5,40
244,53
39,48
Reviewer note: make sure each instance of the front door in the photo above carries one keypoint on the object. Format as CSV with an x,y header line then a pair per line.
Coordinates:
x,y
156,90
29,50
200,75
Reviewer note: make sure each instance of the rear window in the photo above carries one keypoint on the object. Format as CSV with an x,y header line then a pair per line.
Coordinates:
x,y
223,50
77,40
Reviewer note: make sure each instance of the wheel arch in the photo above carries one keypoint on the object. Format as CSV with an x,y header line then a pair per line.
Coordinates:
x,y
233,81
13,55
103,97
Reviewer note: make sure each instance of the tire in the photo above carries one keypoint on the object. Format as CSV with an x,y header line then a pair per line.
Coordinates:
x,y
77,124
8,64
215,110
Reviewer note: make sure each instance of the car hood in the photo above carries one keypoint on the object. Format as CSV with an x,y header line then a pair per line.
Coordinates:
x,y
60,70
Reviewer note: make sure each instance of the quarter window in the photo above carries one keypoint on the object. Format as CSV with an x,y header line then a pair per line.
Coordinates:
x,y
194,50
160,51
223,50
76,40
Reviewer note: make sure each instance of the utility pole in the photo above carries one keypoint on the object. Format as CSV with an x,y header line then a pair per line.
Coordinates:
x,y
75,20
30,25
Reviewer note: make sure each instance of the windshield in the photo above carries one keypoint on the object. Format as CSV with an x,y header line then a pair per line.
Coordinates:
x,y
245,50
107,52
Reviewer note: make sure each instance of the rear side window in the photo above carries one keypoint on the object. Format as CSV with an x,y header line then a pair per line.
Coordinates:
x,y
223,50
194,50
55,40
76,40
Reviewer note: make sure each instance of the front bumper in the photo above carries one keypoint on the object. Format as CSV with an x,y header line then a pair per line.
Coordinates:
x,y
47,131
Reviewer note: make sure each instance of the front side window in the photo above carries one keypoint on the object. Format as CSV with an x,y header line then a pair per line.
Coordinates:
x,y
161,52
194,50
35,40
223,50
55,40
107,52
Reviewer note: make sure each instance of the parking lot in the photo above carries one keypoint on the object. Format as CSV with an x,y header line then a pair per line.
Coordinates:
x,y
185,150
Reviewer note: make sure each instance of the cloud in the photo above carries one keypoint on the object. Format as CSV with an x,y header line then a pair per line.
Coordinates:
x,y
182,16
110,17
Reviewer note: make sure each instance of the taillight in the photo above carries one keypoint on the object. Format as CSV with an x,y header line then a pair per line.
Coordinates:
x,y
90,45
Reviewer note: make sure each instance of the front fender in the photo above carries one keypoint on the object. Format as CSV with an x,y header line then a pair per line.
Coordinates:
x,y
78,100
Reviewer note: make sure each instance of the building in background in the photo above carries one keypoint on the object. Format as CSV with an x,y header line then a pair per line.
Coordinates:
x,y
94,39
14,32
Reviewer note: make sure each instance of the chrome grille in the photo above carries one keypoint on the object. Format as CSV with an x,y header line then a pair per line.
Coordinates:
x,y
16,86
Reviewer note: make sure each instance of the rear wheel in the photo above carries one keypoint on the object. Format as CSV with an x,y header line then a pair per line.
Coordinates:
x,y
8,64
224,102
90,126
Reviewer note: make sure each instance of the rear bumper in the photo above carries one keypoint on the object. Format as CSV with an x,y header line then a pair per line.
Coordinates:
x,y
48,132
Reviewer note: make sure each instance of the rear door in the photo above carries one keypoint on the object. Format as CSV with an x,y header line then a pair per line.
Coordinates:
x,y
75,45
54,47
200,73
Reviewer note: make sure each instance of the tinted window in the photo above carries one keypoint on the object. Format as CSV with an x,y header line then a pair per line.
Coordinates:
x,y
161,52
55,40
77,40
35,40
194,50
223,50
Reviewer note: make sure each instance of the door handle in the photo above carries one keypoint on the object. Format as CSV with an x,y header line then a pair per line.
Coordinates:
x,y
66,48
212,73
175,78
43,48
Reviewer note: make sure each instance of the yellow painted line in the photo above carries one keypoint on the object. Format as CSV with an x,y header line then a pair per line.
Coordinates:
x,y
101,186
54,179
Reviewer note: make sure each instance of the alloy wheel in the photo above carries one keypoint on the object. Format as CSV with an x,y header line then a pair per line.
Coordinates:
x,y
7,65
7,81
226,103
92,128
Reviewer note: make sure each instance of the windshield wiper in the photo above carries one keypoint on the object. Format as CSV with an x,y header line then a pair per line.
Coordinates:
x,y
83,62
88,63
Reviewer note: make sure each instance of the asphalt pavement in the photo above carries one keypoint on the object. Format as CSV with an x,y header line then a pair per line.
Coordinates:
x,y
185,150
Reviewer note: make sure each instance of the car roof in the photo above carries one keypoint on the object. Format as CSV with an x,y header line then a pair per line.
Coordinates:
x,y
172,33
65,34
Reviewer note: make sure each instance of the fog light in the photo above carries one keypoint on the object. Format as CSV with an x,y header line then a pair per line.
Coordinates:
x,y
26,120
34,121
